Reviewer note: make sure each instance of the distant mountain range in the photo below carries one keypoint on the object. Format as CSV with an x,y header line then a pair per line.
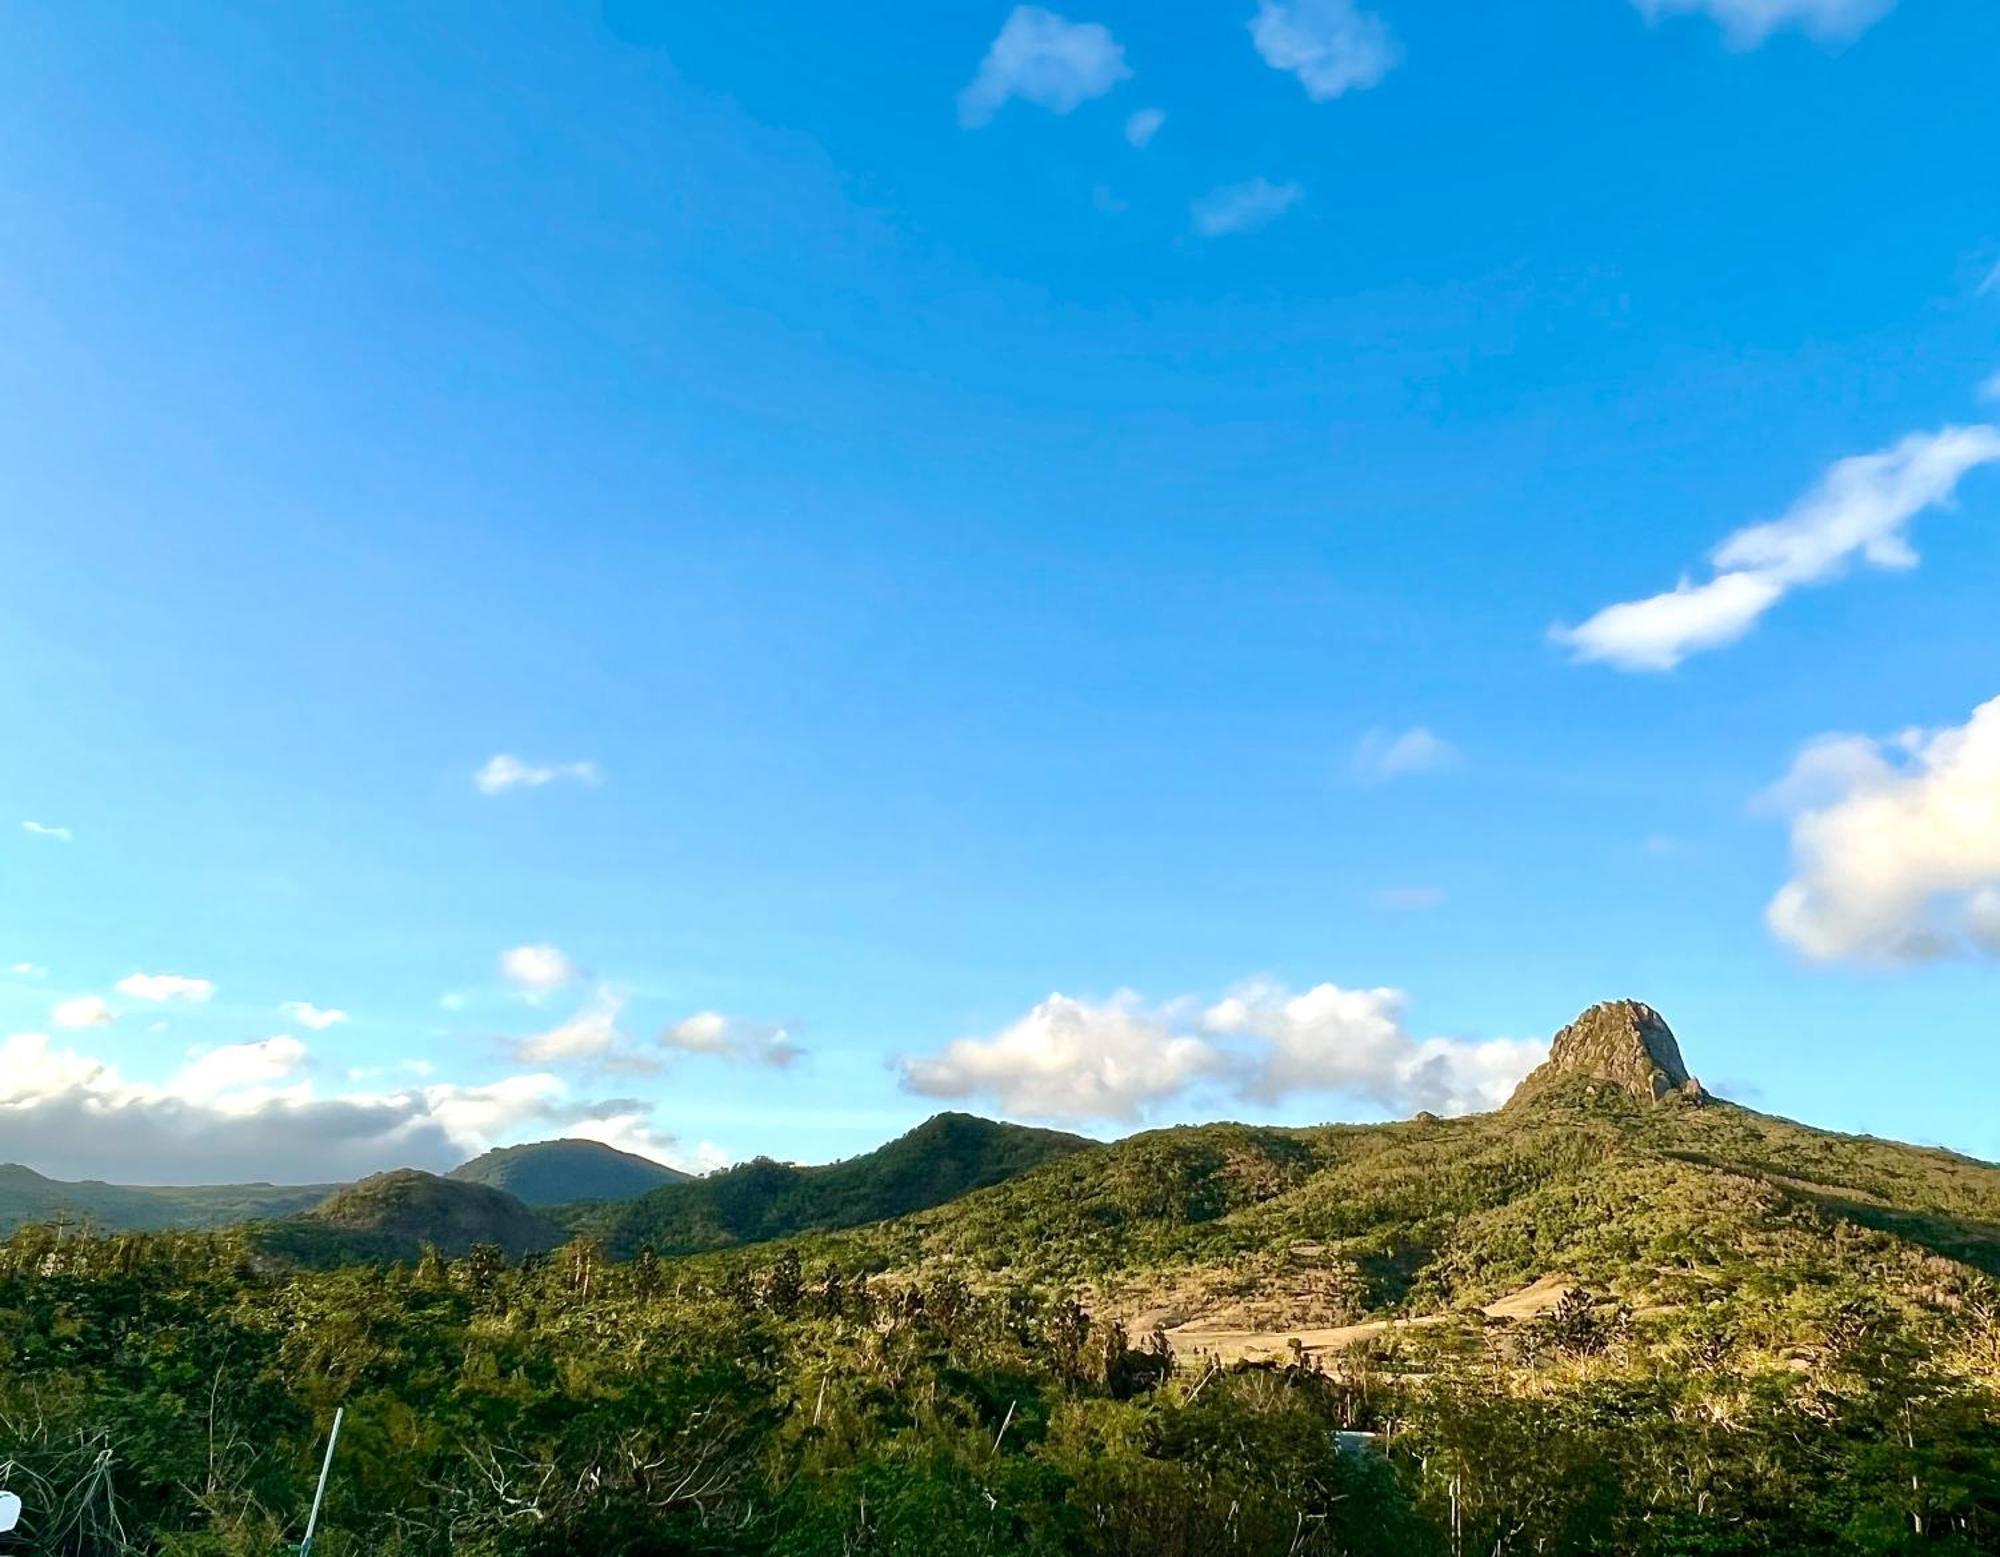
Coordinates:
x,y
544,1173
1611,1167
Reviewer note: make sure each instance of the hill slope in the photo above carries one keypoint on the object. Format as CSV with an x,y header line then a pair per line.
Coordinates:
x,y
944,1157
1610,1168
392,1216
26,1196
553,1173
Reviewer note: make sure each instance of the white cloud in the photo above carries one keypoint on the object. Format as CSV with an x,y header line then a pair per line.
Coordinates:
x,y
41,830
317,1018
1332,46
1144,125
1353,1041
501,773
29,970
1895,845
165,986
591,1034
1989,387
1044,59
1071,1059
1237,208
733,1038
537,970
1386,754
1859,508
84,1011
1076,1059
1747,23
250,1112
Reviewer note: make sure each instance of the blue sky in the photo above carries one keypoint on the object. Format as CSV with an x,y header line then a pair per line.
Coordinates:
x,y
1096,564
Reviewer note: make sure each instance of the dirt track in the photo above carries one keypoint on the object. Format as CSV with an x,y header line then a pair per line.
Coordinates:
x,y
1229,1346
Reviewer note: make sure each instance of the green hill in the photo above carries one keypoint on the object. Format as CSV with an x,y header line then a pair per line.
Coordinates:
x,y
393,1216
553,1173
27,1196
942,1158
1609,1170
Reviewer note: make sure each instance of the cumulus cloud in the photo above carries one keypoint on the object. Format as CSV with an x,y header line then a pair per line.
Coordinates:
x,y
1861,508
1747,23
537,970
591,1034
42,830
1044,59
316,1018
1144,125
1118,1059
1332,46
1381,755
1237,208
160,987
732,1038
1895,845
84,1011
250,1111
502,772
1071,1059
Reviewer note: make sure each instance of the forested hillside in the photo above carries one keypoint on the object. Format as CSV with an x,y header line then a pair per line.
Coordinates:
x,y
1619,1315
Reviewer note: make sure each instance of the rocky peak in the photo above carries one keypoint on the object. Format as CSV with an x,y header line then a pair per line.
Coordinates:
x,y
1620,1043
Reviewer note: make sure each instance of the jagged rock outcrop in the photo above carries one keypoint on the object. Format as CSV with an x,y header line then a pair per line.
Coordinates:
x,y
1620,1043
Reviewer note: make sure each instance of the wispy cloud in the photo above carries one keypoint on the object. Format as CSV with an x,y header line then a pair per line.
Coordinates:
x,y
1332,46
1381,755
1124,1057
1144,125
1243,207
592,1034
1989,387
43,830
29,970
1859,508
1044,59
165,986
316,1018
502,772
1895,845
732,1038
1747,23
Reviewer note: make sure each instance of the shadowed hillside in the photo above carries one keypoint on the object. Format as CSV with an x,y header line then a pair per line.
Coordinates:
x,y
553,1173
942,1158
393,1216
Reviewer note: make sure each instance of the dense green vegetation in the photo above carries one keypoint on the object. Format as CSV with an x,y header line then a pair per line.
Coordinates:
x,y
1771,1340
398,1216
554,1173
943,1158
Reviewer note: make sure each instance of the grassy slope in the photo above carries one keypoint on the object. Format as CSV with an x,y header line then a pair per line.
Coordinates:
x,y
1659,1205
945,1157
